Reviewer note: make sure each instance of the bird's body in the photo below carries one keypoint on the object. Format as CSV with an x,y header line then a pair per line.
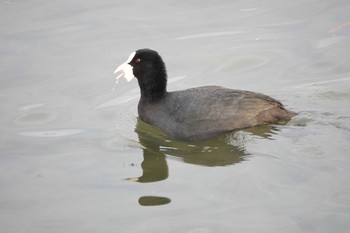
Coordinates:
x,y
178,113
197,113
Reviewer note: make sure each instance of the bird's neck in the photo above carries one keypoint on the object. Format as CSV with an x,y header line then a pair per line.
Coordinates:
x,y
152,96
153,86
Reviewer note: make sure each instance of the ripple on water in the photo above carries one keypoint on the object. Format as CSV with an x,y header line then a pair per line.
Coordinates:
x,y
38,113
120,142
51,133
17,204
342,197
35,118
329,41
323,63
31,106
55,224
87,90
22,80
243,62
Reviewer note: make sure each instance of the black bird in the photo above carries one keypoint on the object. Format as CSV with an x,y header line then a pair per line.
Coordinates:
x,y
196,113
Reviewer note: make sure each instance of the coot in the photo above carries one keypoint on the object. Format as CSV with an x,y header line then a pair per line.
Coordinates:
x,y
196,113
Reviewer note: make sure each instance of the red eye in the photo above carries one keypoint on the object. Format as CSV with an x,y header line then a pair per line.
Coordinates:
x,y
137,60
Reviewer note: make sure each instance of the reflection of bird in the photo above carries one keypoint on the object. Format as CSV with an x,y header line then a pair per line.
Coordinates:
x,y
157,146
219,151
196,113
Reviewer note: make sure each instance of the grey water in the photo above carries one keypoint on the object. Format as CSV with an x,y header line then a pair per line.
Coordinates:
x,y
75,158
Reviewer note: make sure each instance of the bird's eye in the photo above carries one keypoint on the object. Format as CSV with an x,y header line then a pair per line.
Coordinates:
x,y
137,60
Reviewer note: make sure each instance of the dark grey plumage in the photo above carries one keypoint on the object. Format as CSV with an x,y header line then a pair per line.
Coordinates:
x,y
198,113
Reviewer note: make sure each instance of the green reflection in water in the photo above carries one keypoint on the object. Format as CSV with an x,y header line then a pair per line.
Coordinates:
x,y
219,151
153,201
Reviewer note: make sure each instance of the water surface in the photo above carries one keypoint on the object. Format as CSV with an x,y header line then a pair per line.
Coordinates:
x,y
75,158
